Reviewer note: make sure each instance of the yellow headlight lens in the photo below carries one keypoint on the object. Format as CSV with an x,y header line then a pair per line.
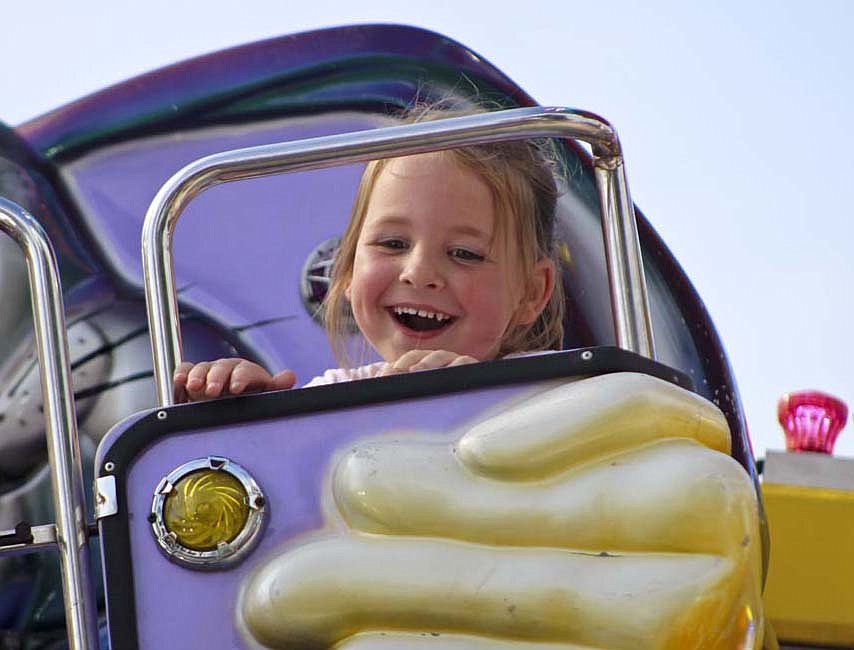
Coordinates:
x,y
205,508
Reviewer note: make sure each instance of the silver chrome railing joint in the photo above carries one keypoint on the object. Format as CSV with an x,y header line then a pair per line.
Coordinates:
x,y
72,534
630,304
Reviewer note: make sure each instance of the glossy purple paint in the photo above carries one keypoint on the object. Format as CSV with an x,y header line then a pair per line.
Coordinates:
x,y
240,247
173,91
289,458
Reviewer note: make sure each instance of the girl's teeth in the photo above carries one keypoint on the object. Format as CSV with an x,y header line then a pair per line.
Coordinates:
x,y
422,313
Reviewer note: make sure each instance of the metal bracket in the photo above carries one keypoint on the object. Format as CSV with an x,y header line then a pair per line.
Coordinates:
x,y
106,503
27,539
23,534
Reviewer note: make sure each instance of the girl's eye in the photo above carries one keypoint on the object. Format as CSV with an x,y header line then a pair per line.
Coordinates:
x,y
393,244
466,255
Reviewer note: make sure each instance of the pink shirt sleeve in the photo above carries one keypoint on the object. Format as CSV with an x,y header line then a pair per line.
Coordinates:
x,y
336,375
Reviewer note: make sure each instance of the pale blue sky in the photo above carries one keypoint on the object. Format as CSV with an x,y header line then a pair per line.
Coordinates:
x,y
735,119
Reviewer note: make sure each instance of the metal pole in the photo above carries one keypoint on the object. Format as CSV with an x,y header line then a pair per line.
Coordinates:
x,y
629,299
60,423
330,151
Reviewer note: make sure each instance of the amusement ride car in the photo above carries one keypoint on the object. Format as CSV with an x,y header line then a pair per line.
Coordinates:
x,y
602,496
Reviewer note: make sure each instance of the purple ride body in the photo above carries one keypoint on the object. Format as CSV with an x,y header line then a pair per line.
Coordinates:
x,y
289,458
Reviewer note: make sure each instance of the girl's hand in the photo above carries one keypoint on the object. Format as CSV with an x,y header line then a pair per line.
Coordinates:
x,y
415,360
209,380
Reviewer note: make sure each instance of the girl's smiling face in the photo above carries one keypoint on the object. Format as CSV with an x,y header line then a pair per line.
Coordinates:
x,y
431,270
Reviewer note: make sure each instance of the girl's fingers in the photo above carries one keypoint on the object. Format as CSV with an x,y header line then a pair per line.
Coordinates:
x,y
389,369
415,360
179,382
409,359
197,381
442,359
247,376
181,372
283,380
208,380
434,359
219,376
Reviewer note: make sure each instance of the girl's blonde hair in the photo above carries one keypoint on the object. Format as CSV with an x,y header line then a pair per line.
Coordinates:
x,y
520,176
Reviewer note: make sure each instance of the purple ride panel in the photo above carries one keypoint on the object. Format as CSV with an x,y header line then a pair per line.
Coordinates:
x,y
289,457
239,247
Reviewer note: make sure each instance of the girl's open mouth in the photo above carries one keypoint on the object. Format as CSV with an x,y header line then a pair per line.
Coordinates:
x,y
420,320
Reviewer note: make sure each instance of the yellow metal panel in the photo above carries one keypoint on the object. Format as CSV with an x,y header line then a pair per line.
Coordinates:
x,y
809,595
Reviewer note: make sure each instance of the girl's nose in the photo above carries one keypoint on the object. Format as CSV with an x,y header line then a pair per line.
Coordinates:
x,y
420,272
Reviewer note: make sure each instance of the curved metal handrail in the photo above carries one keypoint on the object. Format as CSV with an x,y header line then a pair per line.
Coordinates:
x,y
625,269
72,537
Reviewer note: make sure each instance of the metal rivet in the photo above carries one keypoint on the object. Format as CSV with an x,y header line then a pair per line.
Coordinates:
x,y
162,415
587,355
109,466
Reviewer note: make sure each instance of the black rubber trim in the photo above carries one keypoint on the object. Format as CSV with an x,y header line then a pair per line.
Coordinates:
x,y
114,529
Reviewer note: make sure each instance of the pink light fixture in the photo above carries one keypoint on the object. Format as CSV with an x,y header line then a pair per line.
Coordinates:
x,y
811,420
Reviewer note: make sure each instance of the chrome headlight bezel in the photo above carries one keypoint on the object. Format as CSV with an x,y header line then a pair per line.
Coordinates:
x,y
227,554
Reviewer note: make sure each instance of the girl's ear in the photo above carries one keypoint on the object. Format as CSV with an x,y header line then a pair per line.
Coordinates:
x,y
347,291
541,284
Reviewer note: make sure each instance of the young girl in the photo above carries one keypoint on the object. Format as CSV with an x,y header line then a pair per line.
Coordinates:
x,y
447,260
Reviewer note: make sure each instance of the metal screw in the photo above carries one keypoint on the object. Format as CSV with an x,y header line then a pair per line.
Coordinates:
x,y
162,415
587,355
109,466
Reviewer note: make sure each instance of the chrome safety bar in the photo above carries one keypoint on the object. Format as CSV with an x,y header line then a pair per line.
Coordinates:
x,y
623,259
72,537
